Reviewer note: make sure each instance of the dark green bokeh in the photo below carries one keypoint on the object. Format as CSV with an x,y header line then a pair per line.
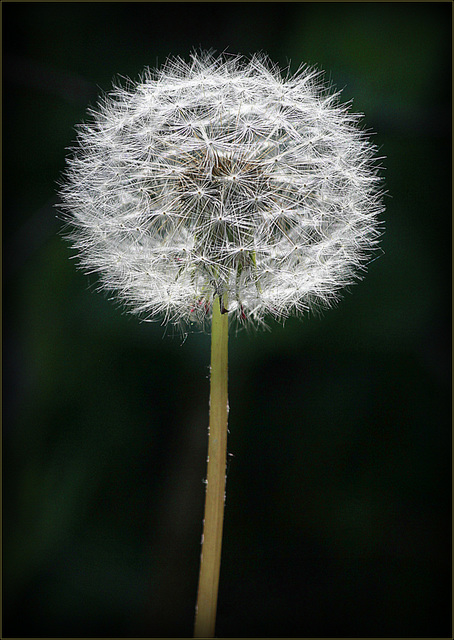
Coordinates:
x,y
338,496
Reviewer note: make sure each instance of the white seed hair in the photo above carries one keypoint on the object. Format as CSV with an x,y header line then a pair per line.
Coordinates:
x,y
221,177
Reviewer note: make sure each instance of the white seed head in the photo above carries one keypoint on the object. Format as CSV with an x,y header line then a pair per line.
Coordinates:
x,y
220,177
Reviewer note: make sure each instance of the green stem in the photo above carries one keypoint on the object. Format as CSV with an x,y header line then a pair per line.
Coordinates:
x,y
210,561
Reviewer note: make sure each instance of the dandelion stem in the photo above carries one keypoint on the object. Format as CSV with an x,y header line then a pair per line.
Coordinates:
x,y
215,491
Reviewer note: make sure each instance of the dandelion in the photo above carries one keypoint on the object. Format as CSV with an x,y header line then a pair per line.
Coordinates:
x,y
219,190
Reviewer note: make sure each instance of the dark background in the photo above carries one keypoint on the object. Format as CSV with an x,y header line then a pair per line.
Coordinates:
x,y
338,496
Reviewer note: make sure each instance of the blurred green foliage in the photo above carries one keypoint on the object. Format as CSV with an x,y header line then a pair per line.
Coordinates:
x,y
338,500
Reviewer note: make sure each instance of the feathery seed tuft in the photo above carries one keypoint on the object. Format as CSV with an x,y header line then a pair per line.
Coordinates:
x,y
219,177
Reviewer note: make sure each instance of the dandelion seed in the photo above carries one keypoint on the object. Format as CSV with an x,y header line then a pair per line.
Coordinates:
x,y
185,175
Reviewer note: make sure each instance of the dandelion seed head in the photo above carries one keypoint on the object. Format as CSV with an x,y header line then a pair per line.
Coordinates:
x,y
220,177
